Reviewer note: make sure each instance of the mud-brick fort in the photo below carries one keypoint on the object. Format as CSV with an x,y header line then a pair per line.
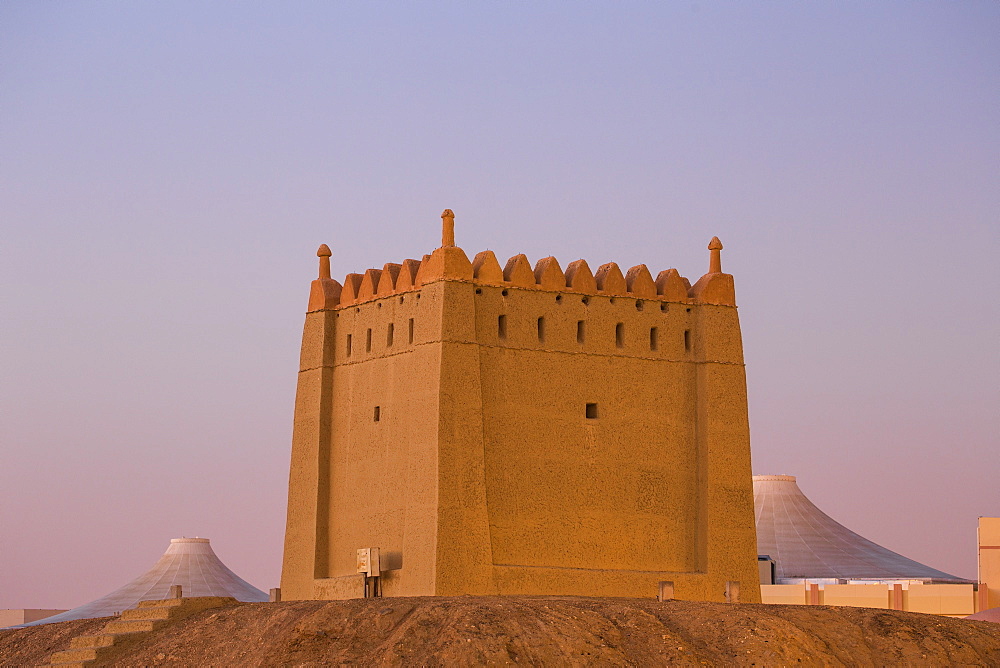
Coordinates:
x,y
519,430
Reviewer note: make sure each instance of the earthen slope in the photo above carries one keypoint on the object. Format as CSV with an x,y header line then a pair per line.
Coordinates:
x,y
536,631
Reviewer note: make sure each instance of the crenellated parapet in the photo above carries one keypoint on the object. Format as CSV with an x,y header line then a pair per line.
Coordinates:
x,y
450,263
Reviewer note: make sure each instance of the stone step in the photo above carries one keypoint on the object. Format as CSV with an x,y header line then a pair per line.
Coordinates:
x,y
130,625
74,655
146,613
134,626
161,603
83,642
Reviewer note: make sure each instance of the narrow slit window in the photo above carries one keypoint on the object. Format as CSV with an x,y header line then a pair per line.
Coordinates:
x,y
348,349
687,339
378,413
581,332
389,334
620,335
411,330
502,326
591,411
653,335
541,330
368,341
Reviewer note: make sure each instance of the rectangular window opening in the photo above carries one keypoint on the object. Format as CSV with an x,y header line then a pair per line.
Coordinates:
x,y
541,330
653,335
580,332
368,341
411,330
687,339
388,335
502,326
348,345
378,413
620,335
591,411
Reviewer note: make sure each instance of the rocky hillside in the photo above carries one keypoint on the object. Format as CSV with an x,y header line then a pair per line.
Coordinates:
x,y
535,631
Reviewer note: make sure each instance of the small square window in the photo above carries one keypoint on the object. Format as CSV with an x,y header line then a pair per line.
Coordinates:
x,y
591,411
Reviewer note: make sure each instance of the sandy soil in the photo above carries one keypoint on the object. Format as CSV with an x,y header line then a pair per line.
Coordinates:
x,y
563,631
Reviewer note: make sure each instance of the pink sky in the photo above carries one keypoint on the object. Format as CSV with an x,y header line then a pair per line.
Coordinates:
x,y
168,170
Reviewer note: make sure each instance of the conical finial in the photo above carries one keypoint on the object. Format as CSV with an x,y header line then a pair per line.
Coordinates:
x,y
715,260
448,228
324,261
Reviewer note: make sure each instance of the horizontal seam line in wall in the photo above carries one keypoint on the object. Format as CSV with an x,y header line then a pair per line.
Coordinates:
x,y
598,570
541,350
384,356
594,354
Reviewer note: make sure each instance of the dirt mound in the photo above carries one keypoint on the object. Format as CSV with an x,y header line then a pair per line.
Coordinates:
x,y
536,631
33,645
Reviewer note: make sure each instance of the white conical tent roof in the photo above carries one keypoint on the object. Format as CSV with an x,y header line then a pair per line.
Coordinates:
x,y
988,615
807,544
188,562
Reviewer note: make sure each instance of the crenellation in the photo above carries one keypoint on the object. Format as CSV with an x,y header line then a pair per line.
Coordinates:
x,y
486,268
670,286
419,279
351,289
610,280
407,279
580,278
640,283
390,277
548,274
369,284
601,323
518,273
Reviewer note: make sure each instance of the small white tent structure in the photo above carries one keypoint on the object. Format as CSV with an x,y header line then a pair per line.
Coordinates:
x,y
189,562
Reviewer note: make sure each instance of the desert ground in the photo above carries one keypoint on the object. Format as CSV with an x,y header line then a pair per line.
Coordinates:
x,y
573,631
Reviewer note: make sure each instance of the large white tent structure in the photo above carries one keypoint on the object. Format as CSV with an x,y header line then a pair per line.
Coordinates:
x,y
188,562
808,545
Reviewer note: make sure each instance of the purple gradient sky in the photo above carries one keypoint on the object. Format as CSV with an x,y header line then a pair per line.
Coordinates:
x,y
167,171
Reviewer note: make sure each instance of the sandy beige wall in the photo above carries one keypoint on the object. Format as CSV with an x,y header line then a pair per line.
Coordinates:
x,y
617,492
989,559
383,474
955,600
306,484
728,530
483,473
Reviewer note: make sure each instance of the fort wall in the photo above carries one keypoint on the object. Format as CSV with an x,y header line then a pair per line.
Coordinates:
x,y
521,430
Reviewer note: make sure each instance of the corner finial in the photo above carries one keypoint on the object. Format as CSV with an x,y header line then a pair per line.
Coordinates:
x,y
715,260
324,261
448,228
